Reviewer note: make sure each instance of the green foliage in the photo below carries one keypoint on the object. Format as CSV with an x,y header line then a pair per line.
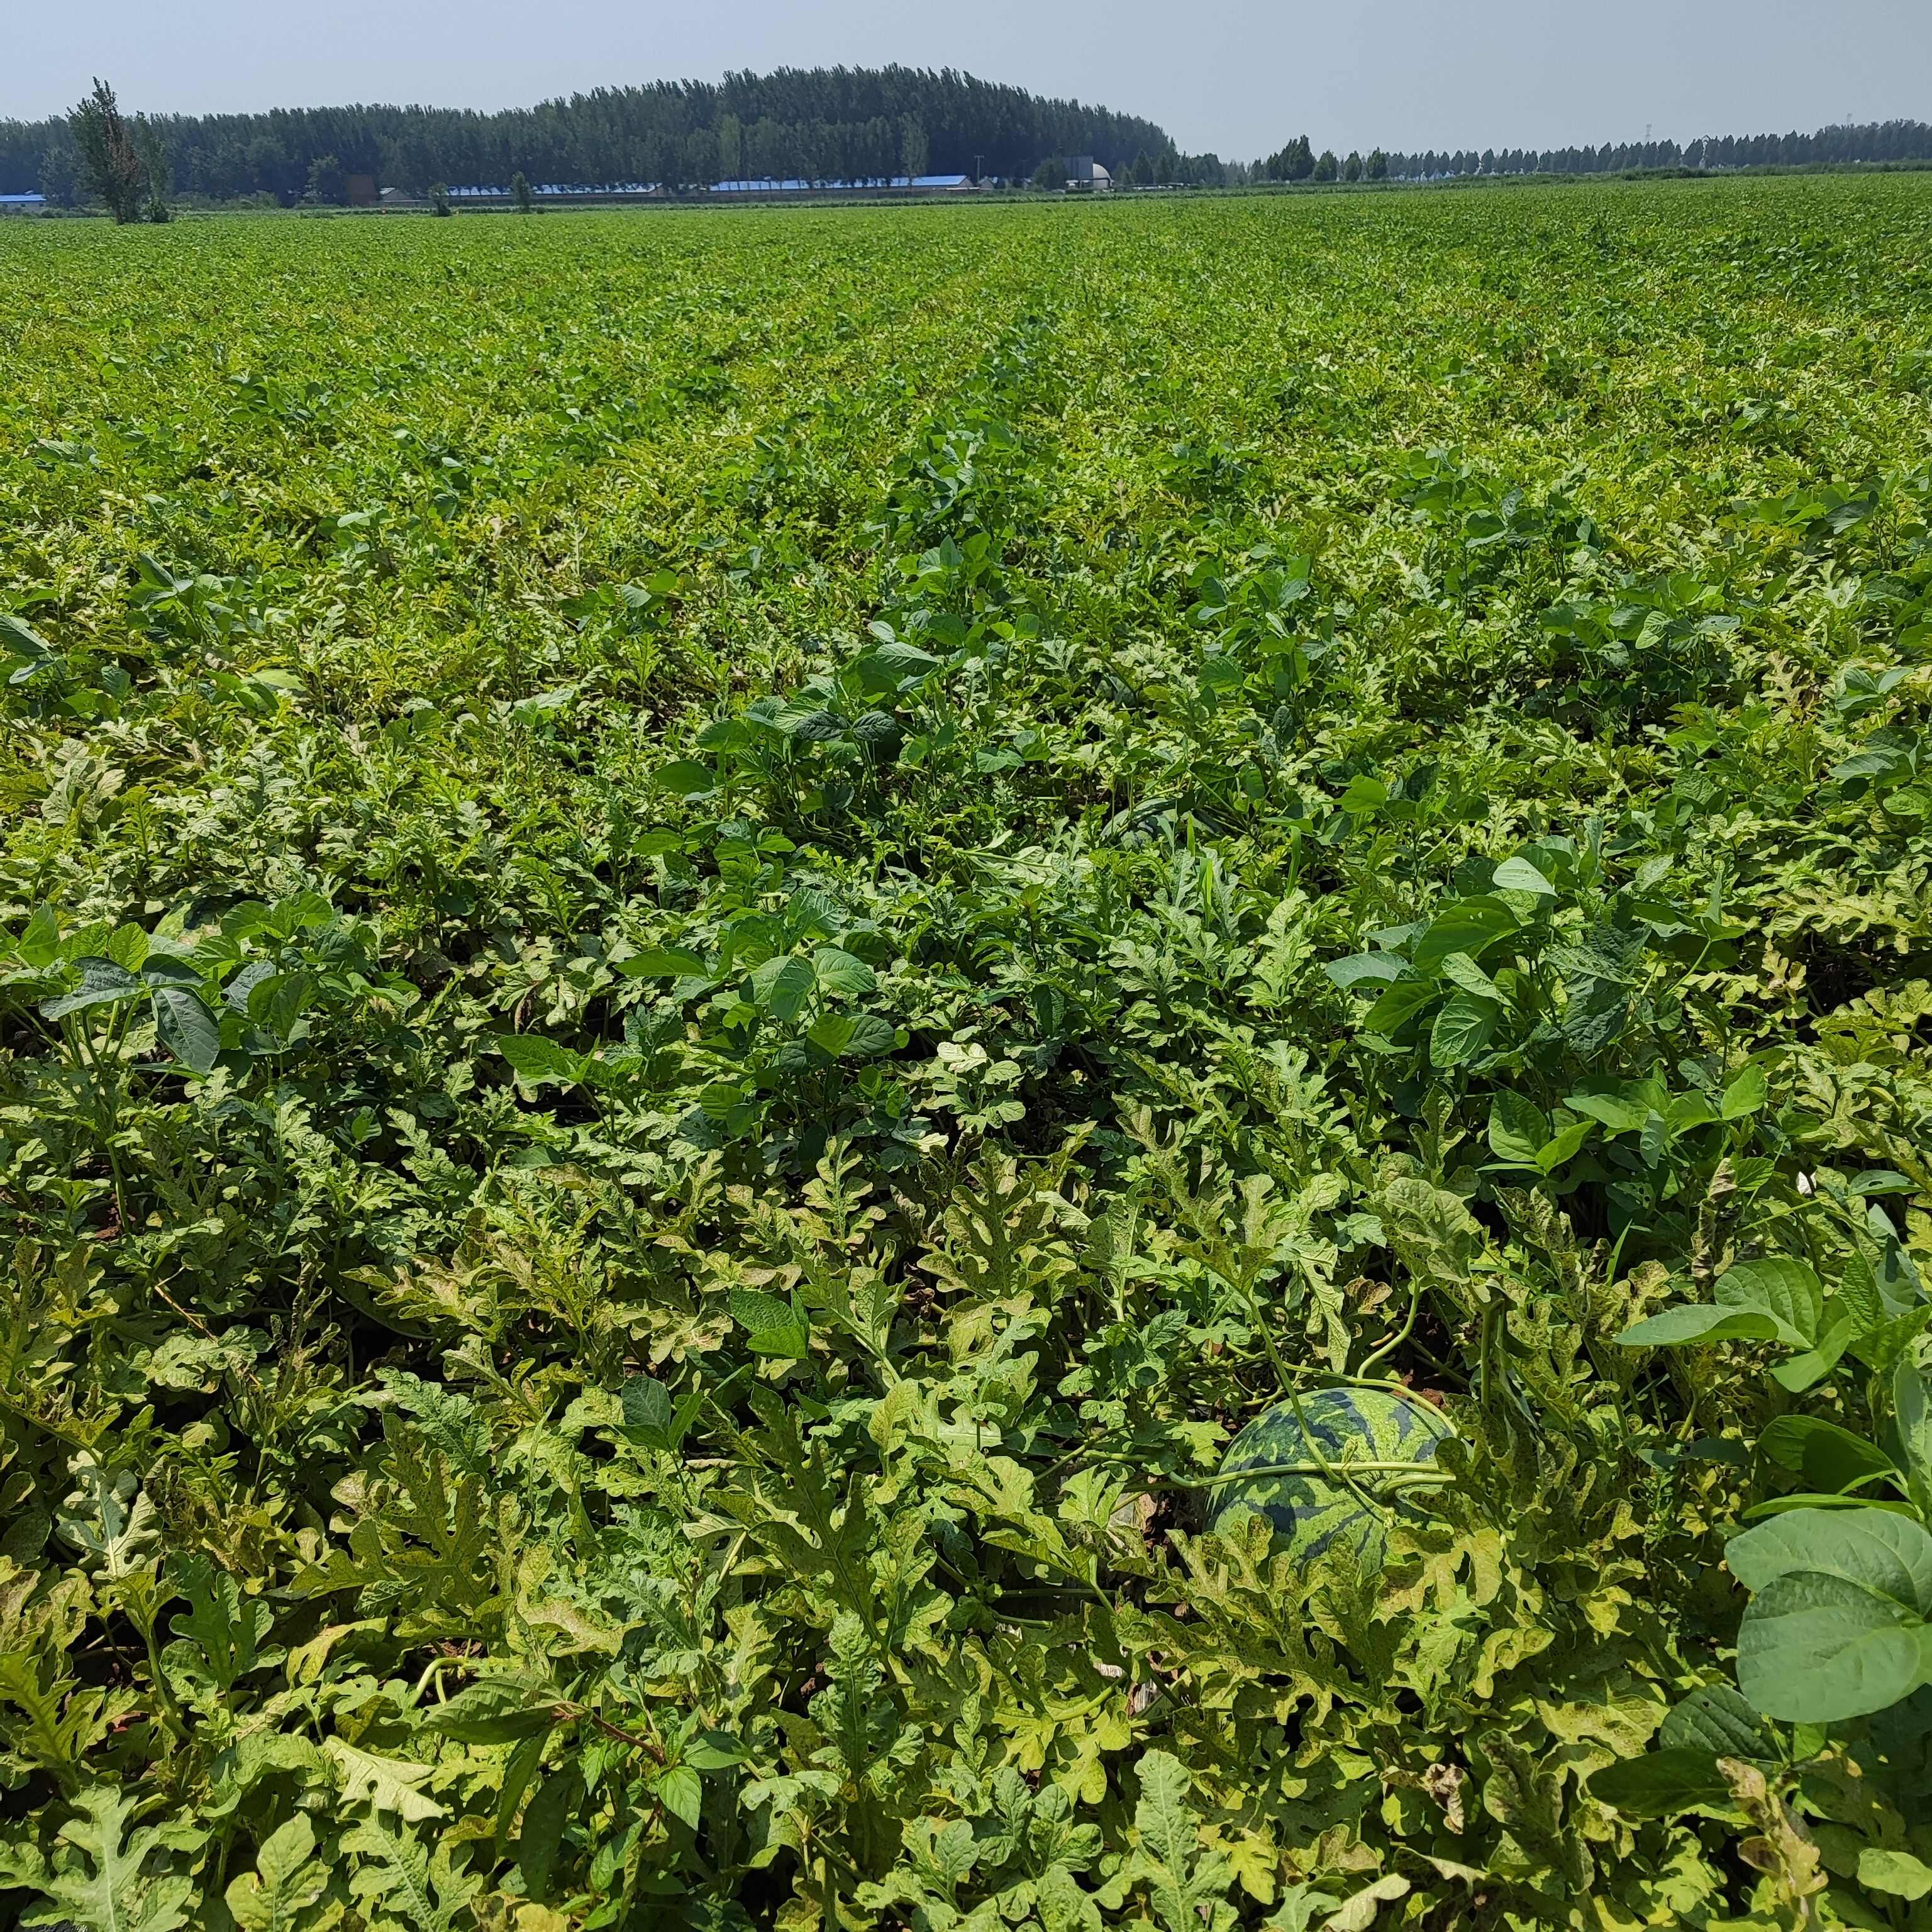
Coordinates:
x,y
691,1012
109,159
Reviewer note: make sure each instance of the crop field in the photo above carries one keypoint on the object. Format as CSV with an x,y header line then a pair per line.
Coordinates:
x,y
722,932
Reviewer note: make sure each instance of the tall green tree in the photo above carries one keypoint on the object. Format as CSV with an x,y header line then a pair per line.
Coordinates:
x,y
915,152
110,161
519,193
157,169
60,175
328,183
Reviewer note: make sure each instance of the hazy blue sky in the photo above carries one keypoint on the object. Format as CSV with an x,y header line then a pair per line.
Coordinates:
x,y
1236,76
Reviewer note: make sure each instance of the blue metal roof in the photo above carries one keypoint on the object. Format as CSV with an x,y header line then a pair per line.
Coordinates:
x,y
22,201
760,185
488,193
769,186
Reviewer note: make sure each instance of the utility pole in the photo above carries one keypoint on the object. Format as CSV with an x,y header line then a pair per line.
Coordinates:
x,y
976,160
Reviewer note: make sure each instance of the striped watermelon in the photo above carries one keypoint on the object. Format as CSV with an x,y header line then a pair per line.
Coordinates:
x,y
1351,1425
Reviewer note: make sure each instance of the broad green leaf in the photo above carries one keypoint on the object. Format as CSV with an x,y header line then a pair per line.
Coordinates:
x,y
494,1712
1827,1456
1519,875
681,1791
1364,796
1460,970
1745,1095
1680,1327
528,710
1519,1128
40,942
647,1405
873,1035
1399,1004
545,1820
1897,1873
20,640
127,947
685,777
809,722
535,1059
1366,969
782,986
1462,1029
1688,1111
1912,1410
839,972
1470,925
522,1766
1817,1649
162,970
102,983
1661,1783
1783,1286
714,1750
663,962
1564,1145
187,1027
1806,1371
1612,1107
1717,1721
832,1033
1880,1552
901,661
1856,1503
1360,1909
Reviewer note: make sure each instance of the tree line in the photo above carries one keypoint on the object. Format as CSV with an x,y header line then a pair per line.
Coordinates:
x,y
1875,144
1888,143
821,123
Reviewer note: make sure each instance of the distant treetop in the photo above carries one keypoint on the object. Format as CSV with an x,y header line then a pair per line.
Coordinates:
x,y
820,124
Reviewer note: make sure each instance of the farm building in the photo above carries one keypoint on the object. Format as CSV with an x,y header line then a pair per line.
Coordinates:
x,y
1085,175
490,195
22,204
871,184
560,191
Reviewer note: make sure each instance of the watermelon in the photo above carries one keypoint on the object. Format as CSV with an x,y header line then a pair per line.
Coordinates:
x,y
1359,1425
